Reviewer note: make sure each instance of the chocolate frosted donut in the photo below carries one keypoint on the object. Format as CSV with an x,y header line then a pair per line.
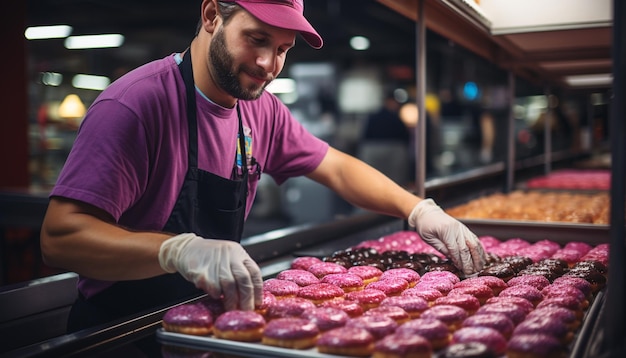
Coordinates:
x,y
536,281
402,345
485,335
244,326
392,286
348,282
290,332
413,305
501,270
367,298
367,273
517,263
379,326
326,268
190,318
326,318
468,350
288,307
299,276
352,308
405,273
514,312
304,262
346,341
432,329
447,266
497,321
321,292
535,345
467,302
451,315
524,291
394,312
281,288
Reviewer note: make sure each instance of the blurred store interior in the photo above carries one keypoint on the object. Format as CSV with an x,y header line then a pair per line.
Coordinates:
x,y
369,54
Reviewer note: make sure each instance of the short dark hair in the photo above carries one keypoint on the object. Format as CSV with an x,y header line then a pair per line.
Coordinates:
x,y
226,10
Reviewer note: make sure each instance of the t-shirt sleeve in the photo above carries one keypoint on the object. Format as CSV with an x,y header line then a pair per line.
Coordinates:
x,y
109,161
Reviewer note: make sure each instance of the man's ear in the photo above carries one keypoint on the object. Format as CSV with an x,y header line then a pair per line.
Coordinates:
x,y
209,15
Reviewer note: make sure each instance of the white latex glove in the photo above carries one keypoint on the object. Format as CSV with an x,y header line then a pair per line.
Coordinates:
x,y
448,236
219,267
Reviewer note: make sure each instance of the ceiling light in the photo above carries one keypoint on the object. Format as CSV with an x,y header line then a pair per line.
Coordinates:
x,y
51,78
94,41
91,82
47,32
360,43
590,80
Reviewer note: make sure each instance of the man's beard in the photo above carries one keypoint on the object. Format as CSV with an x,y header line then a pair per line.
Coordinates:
x,y
226,74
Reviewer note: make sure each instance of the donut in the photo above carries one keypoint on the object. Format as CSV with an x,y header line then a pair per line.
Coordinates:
x,y
399,345
544,271
446,266
559,313
215,305
243,326
500,270
367,273
468,350
559,290
439,275
535,345
392,286
496,284
579,283
326,318
290,332
346,341
536,281
467,302
304,262
326,268
451,315
497,321
299,276
514,312
444,286
434,330
268,300
394,312
352,308
480,291
523,303
567,302
367,298
546,325
525,291
595,278
281,288
348,282
379,326
596,266
413,305
405,273
490,337
189,318
517,263
321,292
429,294
288,307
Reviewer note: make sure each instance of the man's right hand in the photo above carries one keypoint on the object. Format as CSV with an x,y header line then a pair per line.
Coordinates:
x,y
219,267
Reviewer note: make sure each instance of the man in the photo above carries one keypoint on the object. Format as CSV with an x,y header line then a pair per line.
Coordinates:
x,y
151,202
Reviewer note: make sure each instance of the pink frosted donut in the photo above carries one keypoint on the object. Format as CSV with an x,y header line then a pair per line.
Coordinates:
x,y
555,312
536,281
367,273
480,291
348,282
545,325
432,329
567,302
304,262
513,311
281,288
485,335
244,326
268,300
352,308
497,321
367,298
444,286
429,294
565,290
379,326
525,291
394,312
413,305
535,345
523,303
392,286
346,341
402,345
495,283
321,292
439,275
568,255
288,307
299,276
326,268
451,315
467,302
579,283
290,332
405,273
190,318
326,318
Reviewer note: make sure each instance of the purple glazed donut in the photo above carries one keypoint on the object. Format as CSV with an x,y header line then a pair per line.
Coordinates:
x,y
348,282
245,326
535,345
392,286
497,321
514,312
290,332
402,345
545,325
281,288
413,305
432,329
288,307
346,341
451,315
467,302
378,326
191,318
525,291
299,276
326,318
485,335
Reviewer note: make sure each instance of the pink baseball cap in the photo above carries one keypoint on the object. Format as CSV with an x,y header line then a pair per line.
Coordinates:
x,y
286,14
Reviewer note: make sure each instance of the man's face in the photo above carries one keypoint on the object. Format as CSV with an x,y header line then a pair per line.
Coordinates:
x,y
249,57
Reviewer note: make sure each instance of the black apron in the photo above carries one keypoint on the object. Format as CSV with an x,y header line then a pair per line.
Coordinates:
x,y
208,205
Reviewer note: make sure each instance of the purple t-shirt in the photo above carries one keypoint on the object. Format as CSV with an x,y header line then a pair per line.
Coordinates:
x,y
130,154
